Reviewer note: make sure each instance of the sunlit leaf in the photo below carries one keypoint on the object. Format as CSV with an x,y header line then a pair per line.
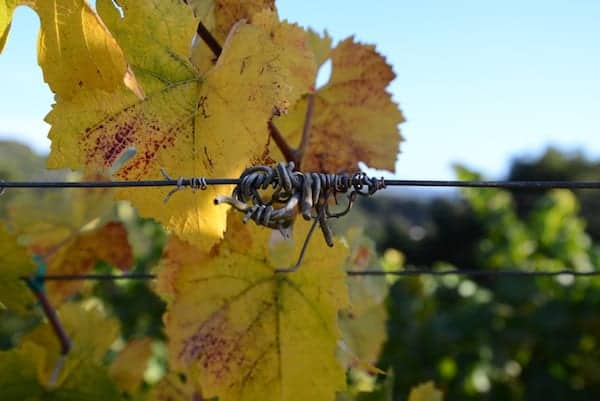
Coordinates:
x,y
79,255
363,336
14,262
363,323
81,322
71,211
73,237
218,17
6,11
354,118
320,46
210,124
252,333
75,50
128,368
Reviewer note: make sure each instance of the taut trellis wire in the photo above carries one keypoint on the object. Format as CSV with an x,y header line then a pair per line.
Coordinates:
x,y
308,193
523,185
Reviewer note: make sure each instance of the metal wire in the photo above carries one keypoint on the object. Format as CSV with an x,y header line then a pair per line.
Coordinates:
x,y
99,277
525,185
473,272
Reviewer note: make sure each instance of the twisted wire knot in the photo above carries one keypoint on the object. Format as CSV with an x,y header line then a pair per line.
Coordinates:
x,y
195,183
273,196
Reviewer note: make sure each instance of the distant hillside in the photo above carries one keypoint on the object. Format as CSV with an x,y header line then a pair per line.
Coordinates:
x,y
19,162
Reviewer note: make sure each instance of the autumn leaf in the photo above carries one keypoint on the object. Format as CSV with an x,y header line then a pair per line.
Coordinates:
x,y
128,368
425,392
19,379
79,256
35,371
75,50
81,322
72,38
177,254
6,10
363,336
218,17
73,237
72,211
190,123
363,323
354,118
365,291
252,333
320,46
14,263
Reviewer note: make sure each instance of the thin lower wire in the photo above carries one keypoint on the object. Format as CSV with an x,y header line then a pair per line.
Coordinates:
x,y
473,272
352,273
99,277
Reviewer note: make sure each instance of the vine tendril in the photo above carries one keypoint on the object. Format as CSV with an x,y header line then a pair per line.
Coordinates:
x,y
274,196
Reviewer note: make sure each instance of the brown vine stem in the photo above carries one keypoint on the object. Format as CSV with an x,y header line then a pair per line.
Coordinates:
x,y
209,39
50,312
290,154
306,129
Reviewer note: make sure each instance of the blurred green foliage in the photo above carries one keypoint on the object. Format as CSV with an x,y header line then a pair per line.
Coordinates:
x,y
503,338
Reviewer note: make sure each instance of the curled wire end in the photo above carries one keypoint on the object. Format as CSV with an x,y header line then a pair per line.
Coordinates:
x,y
195,183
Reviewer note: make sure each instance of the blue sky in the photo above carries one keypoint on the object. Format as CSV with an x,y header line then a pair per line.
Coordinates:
x,y
479,81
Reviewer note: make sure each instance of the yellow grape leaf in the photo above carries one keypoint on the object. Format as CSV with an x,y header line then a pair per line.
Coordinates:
x,y
128,368
72,210
36,371
354,118
75,50
79,255
177,254
363,336
425,392
20,379
363,323
73,236
210,124
81,322
14,262
365,291
6,10
176,386
218,17
320,46
72,38
252,333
